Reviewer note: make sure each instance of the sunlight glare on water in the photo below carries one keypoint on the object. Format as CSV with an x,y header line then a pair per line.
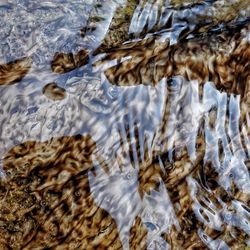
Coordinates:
x,y
125,124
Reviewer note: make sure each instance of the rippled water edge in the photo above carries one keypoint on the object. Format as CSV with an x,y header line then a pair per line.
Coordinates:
x,y
162,165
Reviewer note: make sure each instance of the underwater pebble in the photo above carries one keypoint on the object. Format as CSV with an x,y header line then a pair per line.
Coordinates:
x,y
54,92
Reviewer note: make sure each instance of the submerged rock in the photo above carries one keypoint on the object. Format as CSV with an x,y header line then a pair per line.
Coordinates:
x,y
46,200
54,92
218,56
14,71
63,62
181,182
119,27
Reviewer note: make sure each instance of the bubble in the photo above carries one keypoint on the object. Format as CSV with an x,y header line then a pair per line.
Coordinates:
x,y
78,193
228,216
129,175
113,92
43,203
150,226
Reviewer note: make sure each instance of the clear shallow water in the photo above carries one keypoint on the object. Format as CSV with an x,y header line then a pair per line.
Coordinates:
x,y
141,145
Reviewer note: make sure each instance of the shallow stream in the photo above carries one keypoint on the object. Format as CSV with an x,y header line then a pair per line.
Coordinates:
x,y
125,124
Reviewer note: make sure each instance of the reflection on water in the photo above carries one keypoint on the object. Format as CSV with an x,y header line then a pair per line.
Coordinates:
x,y
125,125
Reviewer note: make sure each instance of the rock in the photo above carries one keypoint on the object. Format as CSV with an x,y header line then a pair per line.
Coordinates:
x,y
54,92
14,71
65,62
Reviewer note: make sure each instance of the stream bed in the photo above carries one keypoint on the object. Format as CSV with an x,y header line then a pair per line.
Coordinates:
x,y
125,124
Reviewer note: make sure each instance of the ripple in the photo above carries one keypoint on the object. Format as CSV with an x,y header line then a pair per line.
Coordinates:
x,y
124,124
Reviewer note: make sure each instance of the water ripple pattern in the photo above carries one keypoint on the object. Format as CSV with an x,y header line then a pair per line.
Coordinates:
x,y
125,124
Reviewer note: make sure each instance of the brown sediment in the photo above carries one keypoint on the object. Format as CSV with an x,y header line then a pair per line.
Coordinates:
x,y
118,29
54,92
184,2
222,59
14,71
46,200
138,235
186,237
63,62
174,175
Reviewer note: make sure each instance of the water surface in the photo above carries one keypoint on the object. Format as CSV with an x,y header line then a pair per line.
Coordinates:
x,y
124,124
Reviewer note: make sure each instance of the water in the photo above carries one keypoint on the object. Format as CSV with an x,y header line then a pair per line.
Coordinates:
x,y
124,124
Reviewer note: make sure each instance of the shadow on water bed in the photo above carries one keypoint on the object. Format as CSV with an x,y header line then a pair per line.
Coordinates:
x,y
125,125
14,71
